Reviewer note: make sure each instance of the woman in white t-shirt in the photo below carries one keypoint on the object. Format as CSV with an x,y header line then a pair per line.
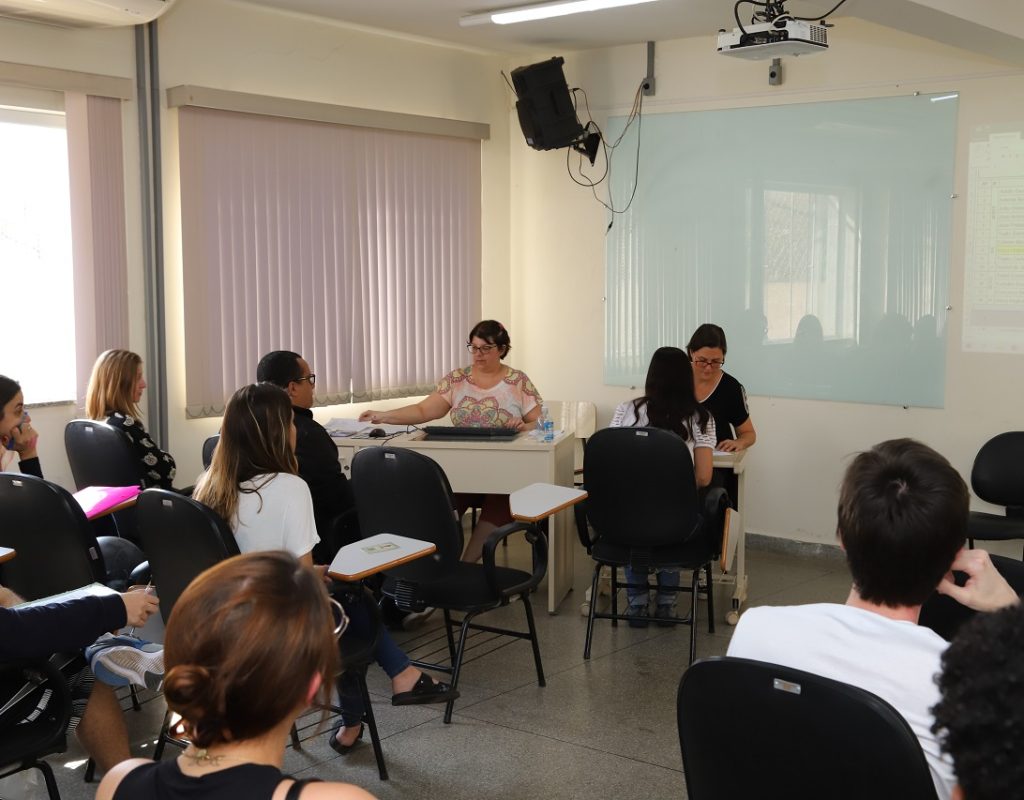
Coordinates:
x,y
253,484
668,402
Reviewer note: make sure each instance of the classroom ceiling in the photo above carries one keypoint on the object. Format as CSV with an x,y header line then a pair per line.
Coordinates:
x,y
991,28
439,20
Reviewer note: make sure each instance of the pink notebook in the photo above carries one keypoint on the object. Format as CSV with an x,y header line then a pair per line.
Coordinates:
x,y
98,500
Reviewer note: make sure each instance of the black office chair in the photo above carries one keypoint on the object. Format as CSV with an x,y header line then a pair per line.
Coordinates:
x,y
24,745
404,492
101,455
644,511
945,616
185,538
996,478
55,545
209,445
754,729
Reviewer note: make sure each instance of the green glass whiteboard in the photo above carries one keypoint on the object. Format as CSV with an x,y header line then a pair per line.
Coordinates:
x,y
817,235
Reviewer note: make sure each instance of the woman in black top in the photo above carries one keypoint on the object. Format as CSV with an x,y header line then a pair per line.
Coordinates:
x,y
719,392
17,436
250,645
115,389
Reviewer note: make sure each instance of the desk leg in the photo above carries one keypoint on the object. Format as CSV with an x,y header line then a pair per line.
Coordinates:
x,y
739,595
560,559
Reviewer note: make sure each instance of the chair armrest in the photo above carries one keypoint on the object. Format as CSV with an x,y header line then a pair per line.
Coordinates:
x,y
716,501
535,536
582,527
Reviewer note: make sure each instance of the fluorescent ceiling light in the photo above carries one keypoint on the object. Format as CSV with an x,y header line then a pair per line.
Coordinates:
x,y
507,16
940,98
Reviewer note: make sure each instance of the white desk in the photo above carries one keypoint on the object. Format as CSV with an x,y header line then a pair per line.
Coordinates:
x,y
500,468
736,572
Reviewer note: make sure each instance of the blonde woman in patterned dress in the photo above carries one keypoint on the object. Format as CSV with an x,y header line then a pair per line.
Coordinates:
x,y
115,389
487,394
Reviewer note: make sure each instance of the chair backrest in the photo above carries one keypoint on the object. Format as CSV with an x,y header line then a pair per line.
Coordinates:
x,y
182,538
945,616
54,543
753,729
996,476
404,492
641,487
208,447
100,455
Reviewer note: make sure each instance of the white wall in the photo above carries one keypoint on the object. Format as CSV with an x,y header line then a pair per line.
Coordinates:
x,y
558,258
234,46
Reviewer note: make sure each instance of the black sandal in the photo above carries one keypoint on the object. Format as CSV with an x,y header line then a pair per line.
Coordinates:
x,y
338,747
426,690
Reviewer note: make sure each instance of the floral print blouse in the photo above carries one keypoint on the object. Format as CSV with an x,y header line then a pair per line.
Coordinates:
x,y
158,467
501,406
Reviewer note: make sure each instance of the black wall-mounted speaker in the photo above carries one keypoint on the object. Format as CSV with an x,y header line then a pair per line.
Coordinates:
x,y
546,112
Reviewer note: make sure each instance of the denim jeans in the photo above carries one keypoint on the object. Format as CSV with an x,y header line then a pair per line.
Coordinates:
x,y
389,655
667,578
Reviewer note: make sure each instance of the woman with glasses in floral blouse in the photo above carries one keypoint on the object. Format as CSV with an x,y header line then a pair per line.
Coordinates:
x,y
486,394
718,391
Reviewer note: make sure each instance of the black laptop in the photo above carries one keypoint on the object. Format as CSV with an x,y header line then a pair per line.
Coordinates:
x,y
452,433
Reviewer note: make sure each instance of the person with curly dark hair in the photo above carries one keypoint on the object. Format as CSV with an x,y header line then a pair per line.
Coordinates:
x,y
980,718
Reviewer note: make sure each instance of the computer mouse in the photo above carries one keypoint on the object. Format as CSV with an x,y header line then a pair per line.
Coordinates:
x,y
378,433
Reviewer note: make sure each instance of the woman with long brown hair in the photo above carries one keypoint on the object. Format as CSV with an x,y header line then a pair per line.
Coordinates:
x,y
115,389
252,483
249,646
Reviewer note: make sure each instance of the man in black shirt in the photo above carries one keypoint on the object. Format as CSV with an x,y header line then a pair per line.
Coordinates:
x,y
333,506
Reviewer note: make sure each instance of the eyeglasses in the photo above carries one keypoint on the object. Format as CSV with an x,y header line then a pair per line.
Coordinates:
x,y
713,363
340,617
483,349
310,377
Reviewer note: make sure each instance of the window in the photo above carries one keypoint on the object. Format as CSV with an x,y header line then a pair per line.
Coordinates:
x,y
810,266
35,254
357,247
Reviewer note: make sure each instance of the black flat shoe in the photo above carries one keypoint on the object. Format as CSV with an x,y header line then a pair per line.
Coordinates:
x,y
338,747
426,690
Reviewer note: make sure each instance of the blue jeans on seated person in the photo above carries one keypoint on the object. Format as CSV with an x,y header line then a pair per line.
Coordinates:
x,y
388,654
639,599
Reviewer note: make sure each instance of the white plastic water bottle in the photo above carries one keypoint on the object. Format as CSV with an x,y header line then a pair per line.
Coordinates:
x,y
547,425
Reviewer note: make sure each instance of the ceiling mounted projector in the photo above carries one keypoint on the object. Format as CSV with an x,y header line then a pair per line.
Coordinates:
x,y
782,37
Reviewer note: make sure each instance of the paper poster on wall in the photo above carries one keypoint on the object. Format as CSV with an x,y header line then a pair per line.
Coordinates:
x,y
994,252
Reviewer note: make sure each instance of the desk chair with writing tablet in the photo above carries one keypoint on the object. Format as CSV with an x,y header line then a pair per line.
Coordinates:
x,y
183,539
101,455
403,492
753,729
23,746
644,510
56,548
996,478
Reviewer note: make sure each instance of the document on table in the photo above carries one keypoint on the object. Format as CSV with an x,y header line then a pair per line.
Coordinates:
x,y
341,428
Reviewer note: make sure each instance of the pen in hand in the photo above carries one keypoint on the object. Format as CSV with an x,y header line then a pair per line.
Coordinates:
x,y
147,590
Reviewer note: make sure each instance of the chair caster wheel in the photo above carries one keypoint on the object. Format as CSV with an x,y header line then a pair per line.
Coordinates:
x,y
732,617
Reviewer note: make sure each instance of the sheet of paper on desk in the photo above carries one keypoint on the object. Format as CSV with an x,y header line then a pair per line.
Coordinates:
x,y
92,590
341,428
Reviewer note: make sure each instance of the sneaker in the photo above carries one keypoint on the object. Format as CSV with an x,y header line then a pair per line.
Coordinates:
x,y
414,619
637,615
664,613
132,664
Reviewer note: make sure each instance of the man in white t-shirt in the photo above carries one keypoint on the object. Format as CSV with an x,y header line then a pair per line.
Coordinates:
x,y
902,523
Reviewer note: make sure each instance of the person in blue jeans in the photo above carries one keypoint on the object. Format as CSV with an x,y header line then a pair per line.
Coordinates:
x,y
253,484
668,402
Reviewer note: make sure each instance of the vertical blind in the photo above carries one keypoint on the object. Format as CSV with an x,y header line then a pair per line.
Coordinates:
x,y
358,248
96,181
